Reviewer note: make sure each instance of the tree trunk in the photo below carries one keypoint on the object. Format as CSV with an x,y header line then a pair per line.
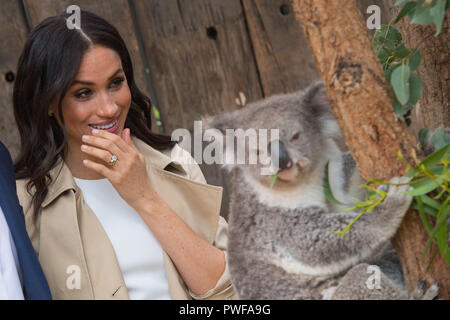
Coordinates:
x,y
362,104
433,70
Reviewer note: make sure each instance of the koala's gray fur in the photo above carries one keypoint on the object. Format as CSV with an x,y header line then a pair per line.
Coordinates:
x,y
280,240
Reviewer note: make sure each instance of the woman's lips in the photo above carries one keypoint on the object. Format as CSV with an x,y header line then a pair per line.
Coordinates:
x,y
111,127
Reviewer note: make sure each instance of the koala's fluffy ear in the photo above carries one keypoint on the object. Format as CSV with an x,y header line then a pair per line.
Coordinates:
x,y
221,122
315,98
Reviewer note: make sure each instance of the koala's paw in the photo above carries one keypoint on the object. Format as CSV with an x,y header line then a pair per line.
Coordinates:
x,y
431,293
396,200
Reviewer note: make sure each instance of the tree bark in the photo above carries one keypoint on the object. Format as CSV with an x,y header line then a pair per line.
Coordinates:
x,y
434,69
362,104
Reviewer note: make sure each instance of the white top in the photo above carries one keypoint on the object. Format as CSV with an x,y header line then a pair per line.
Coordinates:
x,y
139,254
10,272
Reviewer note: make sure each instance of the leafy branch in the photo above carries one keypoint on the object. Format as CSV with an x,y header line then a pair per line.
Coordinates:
x,y
429,180
399,62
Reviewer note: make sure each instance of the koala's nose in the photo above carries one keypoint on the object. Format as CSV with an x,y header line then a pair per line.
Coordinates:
x,y
277,149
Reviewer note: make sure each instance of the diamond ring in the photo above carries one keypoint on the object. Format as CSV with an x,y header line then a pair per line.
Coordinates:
x,y
113,160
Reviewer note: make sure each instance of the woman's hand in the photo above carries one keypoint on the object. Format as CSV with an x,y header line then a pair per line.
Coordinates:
x,y
129,174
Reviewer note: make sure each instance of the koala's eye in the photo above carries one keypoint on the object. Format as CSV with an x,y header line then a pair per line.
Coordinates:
x,y
296,136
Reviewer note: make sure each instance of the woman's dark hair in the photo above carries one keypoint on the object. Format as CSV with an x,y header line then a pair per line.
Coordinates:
x,y
47,66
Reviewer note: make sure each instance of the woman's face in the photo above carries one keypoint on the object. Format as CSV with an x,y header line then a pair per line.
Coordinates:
x,y
98,98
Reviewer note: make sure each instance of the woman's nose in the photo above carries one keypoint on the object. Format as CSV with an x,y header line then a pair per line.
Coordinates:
x,y
107,107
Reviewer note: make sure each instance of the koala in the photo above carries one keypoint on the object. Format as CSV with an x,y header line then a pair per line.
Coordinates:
x,y
281,244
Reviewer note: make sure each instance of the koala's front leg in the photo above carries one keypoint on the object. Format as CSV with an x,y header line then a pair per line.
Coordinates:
x,y
313,249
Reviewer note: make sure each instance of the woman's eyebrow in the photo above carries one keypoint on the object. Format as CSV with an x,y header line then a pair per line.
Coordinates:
x,y
88,83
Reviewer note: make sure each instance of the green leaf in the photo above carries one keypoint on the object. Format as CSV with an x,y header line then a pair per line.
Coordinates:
x,y
424,187
398,108
400,83
416,88
421,210
440,138
430,202
155,111
273,180
409,6
438,13
427,209
414,60
422,16
401,2
400,53
327,188
423,137
436,157
438,230
441,234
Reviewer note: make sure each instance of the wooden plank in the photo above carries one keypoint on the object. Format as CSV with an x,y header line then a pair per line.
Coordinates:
x,y
194,74
115,12
285,63
13,34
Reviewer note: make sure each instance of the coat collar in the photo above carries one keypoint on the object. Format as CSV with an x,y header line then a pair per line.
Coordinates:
x,y
62,179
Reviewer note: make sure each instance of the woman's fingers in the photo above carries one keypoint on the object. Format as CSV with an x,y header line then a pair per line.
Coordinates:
x,y
96,152
112,137
104,144
99,168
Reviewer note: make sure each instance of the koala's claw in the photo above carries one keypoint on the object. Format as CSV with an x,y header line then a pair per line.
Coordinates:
x,y
431,293
396,199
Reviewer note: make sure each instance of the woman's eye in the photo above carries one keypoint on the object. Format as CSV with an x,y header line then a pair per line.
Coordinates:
x,y
117,82
82,94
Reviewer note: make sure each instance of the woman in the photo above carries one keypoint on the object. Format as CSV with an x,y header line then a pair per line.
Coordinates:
x,y
109,212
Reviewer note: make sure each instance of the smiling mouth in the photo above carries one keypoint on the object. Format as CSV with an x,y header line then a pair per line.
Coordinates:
x,y
106,126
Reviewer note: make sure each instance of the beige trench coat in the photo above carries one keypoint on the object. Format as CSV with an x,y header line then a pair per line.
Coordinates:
x,y
70,241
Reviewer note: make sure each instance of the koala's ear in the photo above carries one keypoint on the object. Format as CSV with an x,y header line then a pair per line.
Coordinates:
x,y
221,122
315,98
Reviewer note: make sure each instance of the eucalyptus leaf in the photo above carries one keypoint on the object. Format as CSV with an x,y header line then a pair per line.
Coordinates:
x,y
414,60
400,53
274,178
402,2
441,234
436,156
327,187
416,88
420,208
422,16
400,82
441,225
427,209
424,188
437,12
423,137
398,108
440,138
408,7
430,202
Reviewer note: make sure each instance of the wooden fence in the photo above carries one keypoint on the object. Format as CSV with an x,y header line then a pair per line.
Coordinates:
x,y
193,57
